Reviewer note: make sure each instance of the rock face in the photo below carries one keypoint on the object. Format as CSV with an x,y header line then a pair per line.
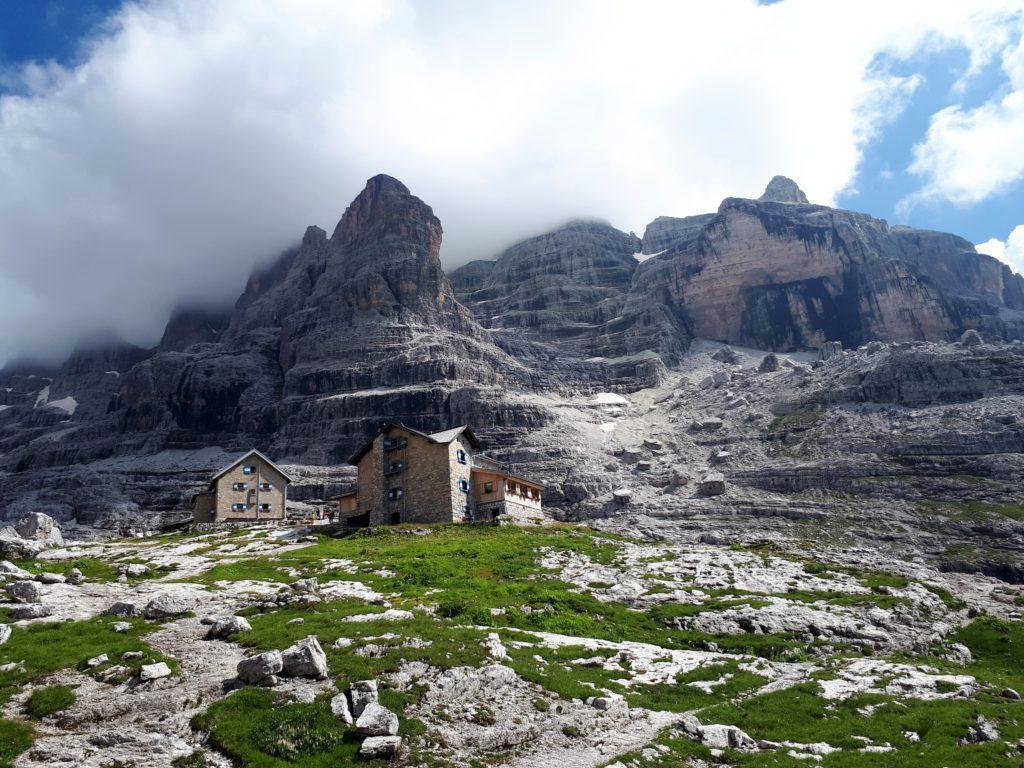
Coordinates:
x,y
344,330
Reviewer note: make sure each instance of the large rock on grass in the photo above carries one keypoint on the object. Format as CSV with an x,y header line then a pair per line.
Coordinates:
x,y
25,591
165,606
377,721
225,626
362,693
261,669
305,659
380,747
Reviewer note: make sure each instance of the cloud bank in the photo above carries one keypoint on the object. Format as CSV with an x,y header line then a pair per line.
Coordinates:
x,y
1009,251
199,137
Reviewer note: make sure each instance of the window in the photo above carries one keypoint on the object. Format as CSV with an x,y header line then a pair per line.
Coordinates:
x,y
248,470
394,443
394,468
266,486
464,486
488,487
239,507
239,486
394,494
460,456
266,507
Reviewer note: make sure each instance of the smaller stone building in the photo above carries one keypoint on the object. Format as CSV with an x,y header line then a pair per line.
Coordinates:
x,y
408,476
252,489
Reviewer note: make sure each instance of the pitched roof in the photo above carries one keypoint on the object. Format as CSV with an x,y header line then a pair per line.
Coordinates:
x,y
441,438
242,458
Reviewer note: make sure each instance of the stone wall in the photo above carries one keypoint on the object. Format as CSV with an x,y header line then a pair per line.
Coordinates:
x,y
276,497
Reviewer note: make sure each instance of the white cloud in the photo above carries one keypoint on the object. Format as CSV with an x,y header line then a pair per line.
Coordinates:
x,y
1010,251
967,154
199,136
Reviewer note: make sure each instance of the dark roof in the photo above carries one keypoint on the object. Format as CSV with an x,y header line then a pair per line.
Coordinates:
x,y
242,458
441,438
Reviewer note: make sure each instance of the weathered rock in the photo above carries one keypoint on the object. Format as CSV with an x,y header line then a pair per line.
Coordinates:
x,y
9,569
726,355
769,363
971,338
261,669
712,484
226,626
380,747
340,708
150,672
1010,693
375,720
134,570
982,731
167,605
783,190
50,578
30,611
24,591
125,609
95,661
75,577
306,586
5,633
305,659
40,528
362,693
829,350
17,548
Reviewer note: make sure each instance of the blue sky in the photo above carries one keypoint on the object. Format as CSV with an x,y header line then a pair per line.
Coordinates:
x,y
156,151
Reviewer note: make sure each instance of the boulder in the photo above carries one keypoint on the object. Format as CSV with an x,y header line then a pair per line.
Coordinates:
x,y
227,625
50,578
261,669
14,547
123,609
769,363
5,633
830,349
981,732
712,484
306,586
726,355
971,338
380,747
40,528
622,495
7,568
154,672
75,577
341,709
163,606
362,693
305,659
1010,693
377,721
95,661
25,591
31,611
121,626
134,570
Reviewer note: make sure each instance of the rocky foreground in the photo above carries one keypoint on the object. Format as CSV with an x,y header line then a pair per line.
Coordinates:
x,y
464,645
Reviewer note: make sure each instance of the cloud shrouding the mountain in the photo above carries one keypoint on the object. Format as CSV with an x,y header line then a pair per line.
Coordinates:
x,y
198,137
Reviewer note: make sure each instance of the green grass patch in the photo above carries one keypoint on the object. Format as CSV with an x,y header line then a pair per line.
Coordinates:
x,y
50,700
15,738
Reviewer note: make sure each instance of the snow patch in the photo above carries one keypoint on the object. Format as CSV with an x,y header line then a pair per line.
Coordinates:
x,y
67,404
43,396
608,398
646,256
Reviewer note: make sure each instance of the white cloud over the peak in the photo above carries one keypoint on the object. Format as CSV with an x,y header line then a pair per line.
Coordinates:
x,y
970,154
1010,251
199,136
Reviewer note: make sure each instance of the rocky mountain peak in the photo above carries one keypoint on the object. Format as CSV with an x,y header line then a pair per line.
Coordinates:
x,y
386,206
783,190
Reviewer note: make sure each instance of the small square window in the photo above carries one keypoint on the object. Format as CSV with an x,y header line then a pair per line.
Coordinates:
x,y
488,487
460,455
266,486
248,470
239,507
239,486
464,486
266,507
394,494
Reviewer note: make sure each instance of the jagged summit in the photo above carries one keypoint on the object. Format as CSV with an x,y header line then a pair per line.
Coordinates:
x,y
782,189
386,204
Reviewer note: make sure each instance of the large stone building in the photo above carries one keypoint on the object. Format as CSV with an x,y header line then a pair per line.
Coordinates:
x,y
251,489
408,476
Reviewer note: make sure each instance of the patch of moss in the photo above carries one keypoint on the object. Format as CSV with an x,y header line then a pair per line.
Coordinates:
x,y
50,700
